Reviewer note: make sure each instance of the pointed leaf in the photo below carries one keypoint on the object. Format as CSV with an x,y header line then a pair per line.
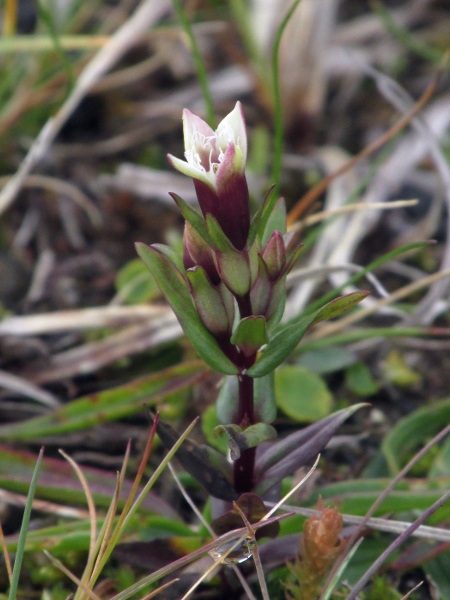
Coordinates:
x,y
276,317
217,235
339,305
227,403
193,217
171,255
250,335
205,464
275,222
107,405
280,346
244,439
260,293
254,226
297,449
265,406
208,302
177,293
289,335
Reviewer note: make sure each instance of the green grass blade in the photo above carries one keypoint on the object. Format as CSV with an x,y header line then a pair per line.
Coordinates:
x,y
198,62
24,529
278,115
370,267
107,405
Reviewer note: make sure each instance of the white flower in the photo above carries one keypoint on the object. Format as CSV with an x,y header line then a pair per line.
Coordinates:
x,y
213,156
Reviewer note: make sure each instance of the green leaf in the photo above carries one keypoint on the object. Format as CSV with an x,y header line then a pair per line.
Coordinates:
x,y
397,372
412,432
275,222
177,293
217,235
244,439
288,336
360,381
58,482
280,346
133,283
279,312
302,395
108,405
254,226
24,529
172,256
227,403
327,359
250,334
193,217
339,305
265,406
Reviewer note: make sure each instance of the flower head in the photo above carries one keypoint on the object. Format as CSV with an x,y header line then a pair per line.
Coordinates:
x,y
216,162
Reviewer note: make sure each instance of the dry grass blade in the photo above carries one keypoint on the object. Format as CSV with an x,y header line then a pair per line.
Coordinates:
x,y
416,587
84,318
89,499
81,585
326,214
395,545
387,525
403,292
65,189
159,590
256,557
437,438
310,197
147,13
21,386
66,512
294,489
6,554
208,527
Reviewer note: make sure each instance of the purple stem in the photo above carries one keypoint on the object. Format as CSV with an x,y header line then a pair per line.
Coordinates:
x,y
244,466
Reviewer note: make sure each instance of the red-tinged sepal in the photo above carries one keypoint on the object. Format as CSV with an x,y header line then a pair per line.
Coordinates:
x,y
261,291
274,255
237,269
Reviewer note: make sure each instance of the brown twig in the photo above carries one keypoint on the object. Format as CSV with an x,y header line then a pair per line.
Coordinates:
x,y
307,200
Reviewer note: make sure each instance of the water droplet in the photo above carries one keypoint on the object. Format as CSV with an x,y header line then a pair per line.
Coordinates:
x,y
238,555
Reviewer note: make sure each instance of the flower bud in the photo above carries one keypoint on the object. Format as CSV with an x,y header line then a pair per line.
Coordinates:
x,y
274,255
237,269
196,252
214,304
216,162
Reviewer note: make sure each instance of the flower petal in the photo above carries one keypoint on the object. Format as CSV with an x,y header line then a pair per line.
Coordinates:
x,y
234,122
199,138
183,167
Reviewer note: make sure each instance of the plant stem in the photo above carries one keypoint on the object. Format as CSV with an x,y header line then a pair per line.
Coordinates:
x,y
244,465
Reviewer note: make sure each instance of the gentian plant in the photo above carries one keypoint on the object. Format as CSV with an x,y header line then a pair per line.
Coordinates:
x,y
228,291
